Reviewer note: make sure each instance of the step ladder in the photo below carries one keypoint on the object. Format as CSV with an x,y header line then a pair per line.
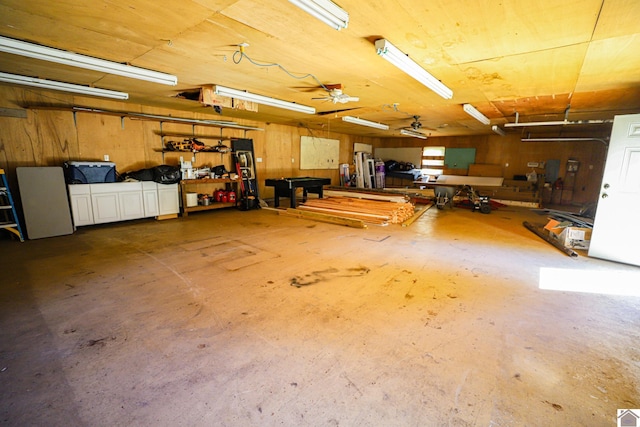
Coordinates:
x,y
8,217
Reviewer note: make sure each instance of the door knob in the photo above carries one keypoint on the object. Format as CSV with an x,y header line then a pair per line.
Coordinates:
x,y
605,195
606,186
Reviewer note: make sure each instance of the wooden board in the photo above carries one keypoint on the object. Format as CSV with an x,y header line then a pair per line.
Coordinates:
x,y
483,181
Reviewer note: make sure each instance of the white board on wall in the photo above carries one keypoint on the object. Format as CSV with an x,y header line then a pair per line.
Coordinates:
x,y
402,154
319,153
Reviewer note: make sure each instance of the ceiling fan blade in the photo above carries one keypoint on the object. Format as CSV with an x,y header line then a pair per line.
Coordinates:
x,y
324,113
307,88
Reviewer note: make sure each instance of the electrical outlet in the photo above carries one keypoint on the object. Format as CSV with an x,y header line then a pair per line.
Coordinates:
x,y
106,157
258,159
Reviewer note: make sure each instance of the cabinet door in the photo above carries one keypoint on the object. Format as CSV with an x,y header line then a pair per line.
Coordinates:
x,y
81,209
151,203
131,205
105,207
168,199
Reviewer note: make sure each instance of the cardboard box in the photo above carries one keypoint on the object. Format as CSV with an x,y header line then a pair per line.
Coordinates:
x,y
208,97
570,237
576,237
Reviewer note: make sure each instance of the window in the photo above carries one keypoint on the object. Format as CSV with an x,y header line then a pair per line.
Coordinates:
x,y
432,160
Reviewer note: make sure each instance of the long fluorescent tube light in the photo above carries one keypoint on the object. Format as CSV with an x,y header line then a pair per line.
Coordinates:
x,y
471,110
558,123
18,47
561,139
394,55
260,99
362,122
66,87
413,133
497,130
326,11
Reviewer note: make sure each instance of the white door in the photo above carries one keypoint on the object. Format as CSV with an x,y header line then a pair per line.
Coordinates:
x,y
616,228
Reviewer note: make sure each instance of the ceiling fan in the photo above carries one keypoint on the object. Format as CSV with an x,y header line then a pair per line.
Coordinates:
x,y
335,94
416,124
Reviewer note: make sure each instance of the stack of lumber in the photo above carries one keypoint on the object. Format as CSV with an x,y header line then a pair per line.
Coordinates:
x,y
383,210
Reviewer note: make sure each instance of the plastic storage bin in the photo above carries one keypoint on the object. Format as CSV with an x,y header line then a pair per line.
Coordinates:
x,y
89,172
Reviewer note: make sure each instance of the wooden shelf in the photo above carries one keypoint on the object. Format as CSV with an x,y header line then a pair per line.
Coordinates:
x,y
190,135
212,205
229,184
149,117
160,150
208,181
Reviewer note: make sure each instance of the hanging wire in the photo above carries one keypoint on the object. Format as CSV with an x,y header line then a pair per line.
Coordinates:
x,y
395,108
239,54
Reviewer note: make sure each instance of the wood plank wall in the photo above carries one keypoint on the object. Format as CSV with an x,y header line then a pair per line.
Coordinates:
x,y
49,138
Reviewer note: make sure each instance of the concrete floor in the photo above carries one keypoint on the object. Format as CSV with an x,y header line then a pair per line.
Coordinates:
x,y
232,318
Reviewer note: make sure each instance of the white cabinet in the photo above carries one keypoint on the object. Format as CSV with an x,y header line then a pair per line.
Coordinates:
x,y
110,202
150,194
81,207
105,207
168,199
131,204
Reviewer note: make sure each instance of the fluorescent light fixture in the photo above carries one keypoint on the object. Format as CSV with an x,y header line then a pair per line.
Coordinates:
x,y
18,47
562,139
66,87
558,123
470,110
413,133
497,130
264,100
401,60
362,122
326,11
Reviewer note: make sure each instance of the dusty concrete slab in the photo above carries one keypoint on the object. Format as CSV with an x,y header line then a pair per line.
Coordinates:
x,y
438,323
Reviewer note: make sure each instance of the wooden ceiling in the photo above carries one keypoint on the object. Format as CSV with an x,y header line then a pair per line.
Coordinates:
x,y
535,59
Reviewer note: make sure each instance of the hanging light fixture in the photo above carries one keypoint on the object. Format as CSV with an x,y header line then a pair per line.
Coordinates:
x,y
264,100
497,130
362,122
401,60
326,11
413,133
471,110
66,87
18,47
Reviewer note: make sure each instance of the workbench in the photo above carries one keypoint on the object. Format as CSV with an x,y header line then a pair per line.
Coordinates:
x,y
461,180
286,187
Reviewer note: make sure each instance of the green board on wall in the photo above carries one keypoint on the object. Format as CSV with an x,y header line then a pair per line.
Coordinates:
x,y
459,158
